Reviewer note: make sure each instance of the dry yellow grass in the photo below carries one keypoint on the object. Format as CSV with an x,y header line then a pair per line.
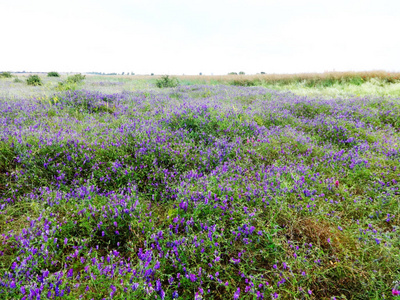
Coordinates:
x,y
379,74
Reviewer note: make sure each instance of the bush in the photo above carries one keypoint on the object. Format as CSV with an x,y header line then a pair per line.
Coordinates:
x,y
71,84
34,80
6,74
232,73
53,74
241,73
18,80
166,82
66,86
76,78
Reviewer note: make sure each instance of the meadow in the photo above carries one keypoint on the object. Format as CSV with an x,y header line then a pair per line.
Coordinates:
x,y
112,188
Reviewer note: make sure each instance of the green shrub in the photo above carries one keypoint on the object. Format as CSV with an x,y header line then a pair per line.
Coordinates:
x,y
71,83
34,80
77,78
166,82
241,73
53,74
17,80
66,86
232,73
6,74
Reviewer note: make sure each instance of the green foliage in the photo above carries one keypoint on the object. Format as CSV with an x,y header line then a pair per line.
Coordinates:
x,y
53,74
241,73
167,82
34,80
71,83
17,80
245,82
232,73
66,86
356,80
5,75
77,78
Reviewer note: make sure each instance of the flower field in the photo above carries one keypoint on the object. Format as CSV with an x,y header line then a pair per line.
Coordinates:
x,y
198,192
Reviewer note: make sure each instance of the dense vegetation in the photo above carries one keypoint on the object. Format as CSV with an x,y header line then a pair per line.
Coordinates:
x,y
315,79
5,75
53,74
71,83
34,80
329,84
198,191
167,82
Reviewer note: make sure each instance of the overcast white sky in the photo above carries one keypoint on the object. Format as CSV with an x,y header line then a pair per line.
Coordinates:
x,y
190,36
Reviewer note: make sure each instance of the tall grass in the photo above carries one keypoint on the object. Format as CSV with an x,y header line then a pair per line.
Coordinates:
x,y
312,79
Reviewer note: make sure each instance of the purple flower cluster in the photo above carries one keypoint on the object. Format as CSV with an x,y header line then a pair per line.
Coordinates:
x,y
196,192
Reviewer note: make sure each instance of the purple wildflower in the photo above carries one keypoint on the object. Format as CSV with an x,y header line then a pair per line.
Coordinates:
x,y
237,294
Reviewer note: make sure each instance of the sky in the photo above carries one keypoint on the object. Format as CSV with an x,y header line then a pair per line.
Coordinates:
x,y
188,37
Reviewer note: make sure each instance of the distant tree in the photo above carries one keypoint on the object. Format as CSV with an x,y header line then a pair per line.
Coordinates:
x,y
123,73
241,73
152,74
200,73
262,73
232,73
